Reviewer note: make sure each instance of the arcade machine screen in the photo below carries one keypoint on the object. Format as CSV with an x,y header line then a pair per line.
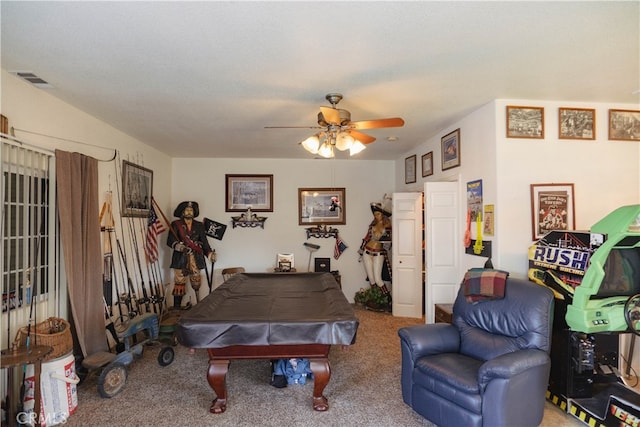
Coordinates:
x,y
608,297
596,273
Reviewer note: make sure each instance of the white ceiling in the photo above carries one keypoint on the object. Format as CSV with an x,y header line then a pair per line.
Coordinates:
x,y
203,79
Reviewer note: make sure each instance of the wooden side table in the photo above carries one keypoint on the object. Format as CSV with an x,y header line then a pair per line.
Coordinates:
x,y
12,358
443,313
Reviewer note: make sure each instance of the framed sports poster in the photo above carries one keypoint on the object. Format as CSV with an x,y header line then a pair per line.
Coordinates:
x,y
552,208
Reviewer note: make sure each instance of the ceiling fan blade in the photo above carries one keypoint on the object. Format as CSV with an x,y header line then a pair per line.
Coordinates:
x,y
331,115
362,137
380,123
293,127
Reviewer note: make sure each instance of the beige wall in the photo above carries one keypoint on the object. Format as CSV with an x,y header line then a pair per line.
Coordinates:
x,y
203,180
36,111
605,174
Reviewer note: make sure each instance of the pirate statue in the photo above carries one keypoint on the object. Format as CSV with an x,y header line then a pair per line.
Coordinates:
x,y
375,247
190,246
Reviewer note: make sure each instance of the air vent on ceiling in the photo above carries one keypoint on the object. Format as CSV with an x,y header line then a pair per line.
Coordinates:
x,y
33,79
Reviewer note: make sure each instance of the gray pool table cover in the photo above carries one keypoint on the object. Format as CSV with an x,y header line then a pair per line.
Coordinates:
x,y
270,309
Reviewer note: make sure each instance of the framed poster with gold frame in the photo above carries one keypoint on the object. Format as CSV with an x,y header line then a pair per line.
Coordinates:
x,y
321,206
525,122
576,123
624,125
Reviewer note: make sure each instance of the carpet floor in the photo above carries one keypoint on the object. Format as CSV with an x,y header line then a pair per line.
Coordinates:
x,y
364,389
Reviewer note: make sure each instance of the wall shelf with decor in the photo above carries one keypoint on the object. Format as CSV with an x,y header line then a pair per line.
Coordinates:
x,y
322,232
240,221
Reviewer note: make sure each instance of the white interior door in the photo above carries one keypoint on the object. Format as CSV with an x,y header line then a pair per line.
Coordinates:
x,y
406,289
442,240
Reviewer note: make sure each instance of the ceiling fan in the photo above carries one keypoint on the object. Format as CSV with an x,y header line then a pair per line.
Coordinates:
x,y
338,131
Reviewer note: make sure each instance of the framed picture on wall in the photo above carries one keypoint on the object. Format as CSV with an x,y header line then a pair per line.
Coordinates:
x,y
552,208
137,187
525,122
576,123
624,125
249,191
318,206
450,148
410,169
427,164
4,124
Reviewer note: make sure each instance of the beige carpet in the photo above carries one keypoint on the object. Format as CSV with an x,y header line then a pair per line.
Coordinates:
x,y
364,390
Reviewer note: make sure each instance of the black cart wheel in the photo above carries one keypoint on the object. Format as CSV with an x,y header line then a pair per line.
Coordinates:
x,y
166,356
112,379
81,371
632,313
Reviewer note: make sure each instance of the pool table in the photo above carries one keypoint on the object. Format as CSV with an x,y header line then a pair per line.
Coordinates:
x,y
270,316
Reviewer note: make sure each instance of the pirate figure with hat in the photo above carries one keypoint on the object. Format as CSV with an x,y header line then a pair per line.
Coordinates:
x,y
190,246
375,249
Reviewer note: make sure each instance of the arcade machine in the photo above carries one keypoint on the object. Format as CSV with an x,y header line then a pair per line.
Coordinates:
x,y
595,277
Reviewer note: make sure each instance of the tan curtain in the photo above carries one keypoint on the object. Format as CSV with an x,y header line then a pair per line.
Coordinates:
x,y
78,208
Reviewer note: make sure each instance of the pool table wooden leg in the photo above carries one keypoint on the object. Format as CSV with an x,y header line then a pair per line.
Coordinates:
x,y
217,377
321,375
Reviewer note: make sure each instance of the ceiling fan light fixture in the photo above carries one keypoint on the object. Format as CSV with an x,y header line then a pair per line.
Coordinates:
x,y
326,150
356,147
338,132
311,144
344,141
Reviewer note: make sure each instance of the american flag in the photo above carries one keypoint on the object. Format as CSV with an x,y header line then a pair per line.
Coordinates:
x,y
339,248
154,228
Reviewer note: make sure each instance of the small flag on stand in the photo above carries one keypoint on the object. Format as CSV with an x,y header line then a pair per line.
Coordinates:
x,y
339,248
214,229
154,228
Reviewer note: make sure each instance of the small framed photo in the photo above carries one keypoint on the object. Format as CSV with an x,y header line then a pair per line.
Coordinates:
x,y
284,262
137,186
4,124
450,150
576,123
253,192
427,164
624,125
321,206
552,208
525,122
410,169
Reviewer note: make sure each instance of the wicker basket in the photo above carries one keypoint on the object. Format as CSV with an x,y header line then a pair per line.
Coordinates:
x,y
54,332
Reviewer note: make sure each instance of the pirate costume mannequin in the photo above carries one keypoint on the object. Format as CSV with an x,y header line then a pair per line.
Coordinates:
x,y
189,243
374,249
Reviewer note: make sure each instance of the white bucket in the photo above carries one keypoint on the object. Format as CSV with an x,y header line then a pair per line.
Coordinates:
x,y
59,394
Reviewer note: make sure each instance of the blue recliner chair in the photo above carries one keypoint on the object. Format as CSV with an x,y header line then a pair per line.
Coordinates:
x,y
489,368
